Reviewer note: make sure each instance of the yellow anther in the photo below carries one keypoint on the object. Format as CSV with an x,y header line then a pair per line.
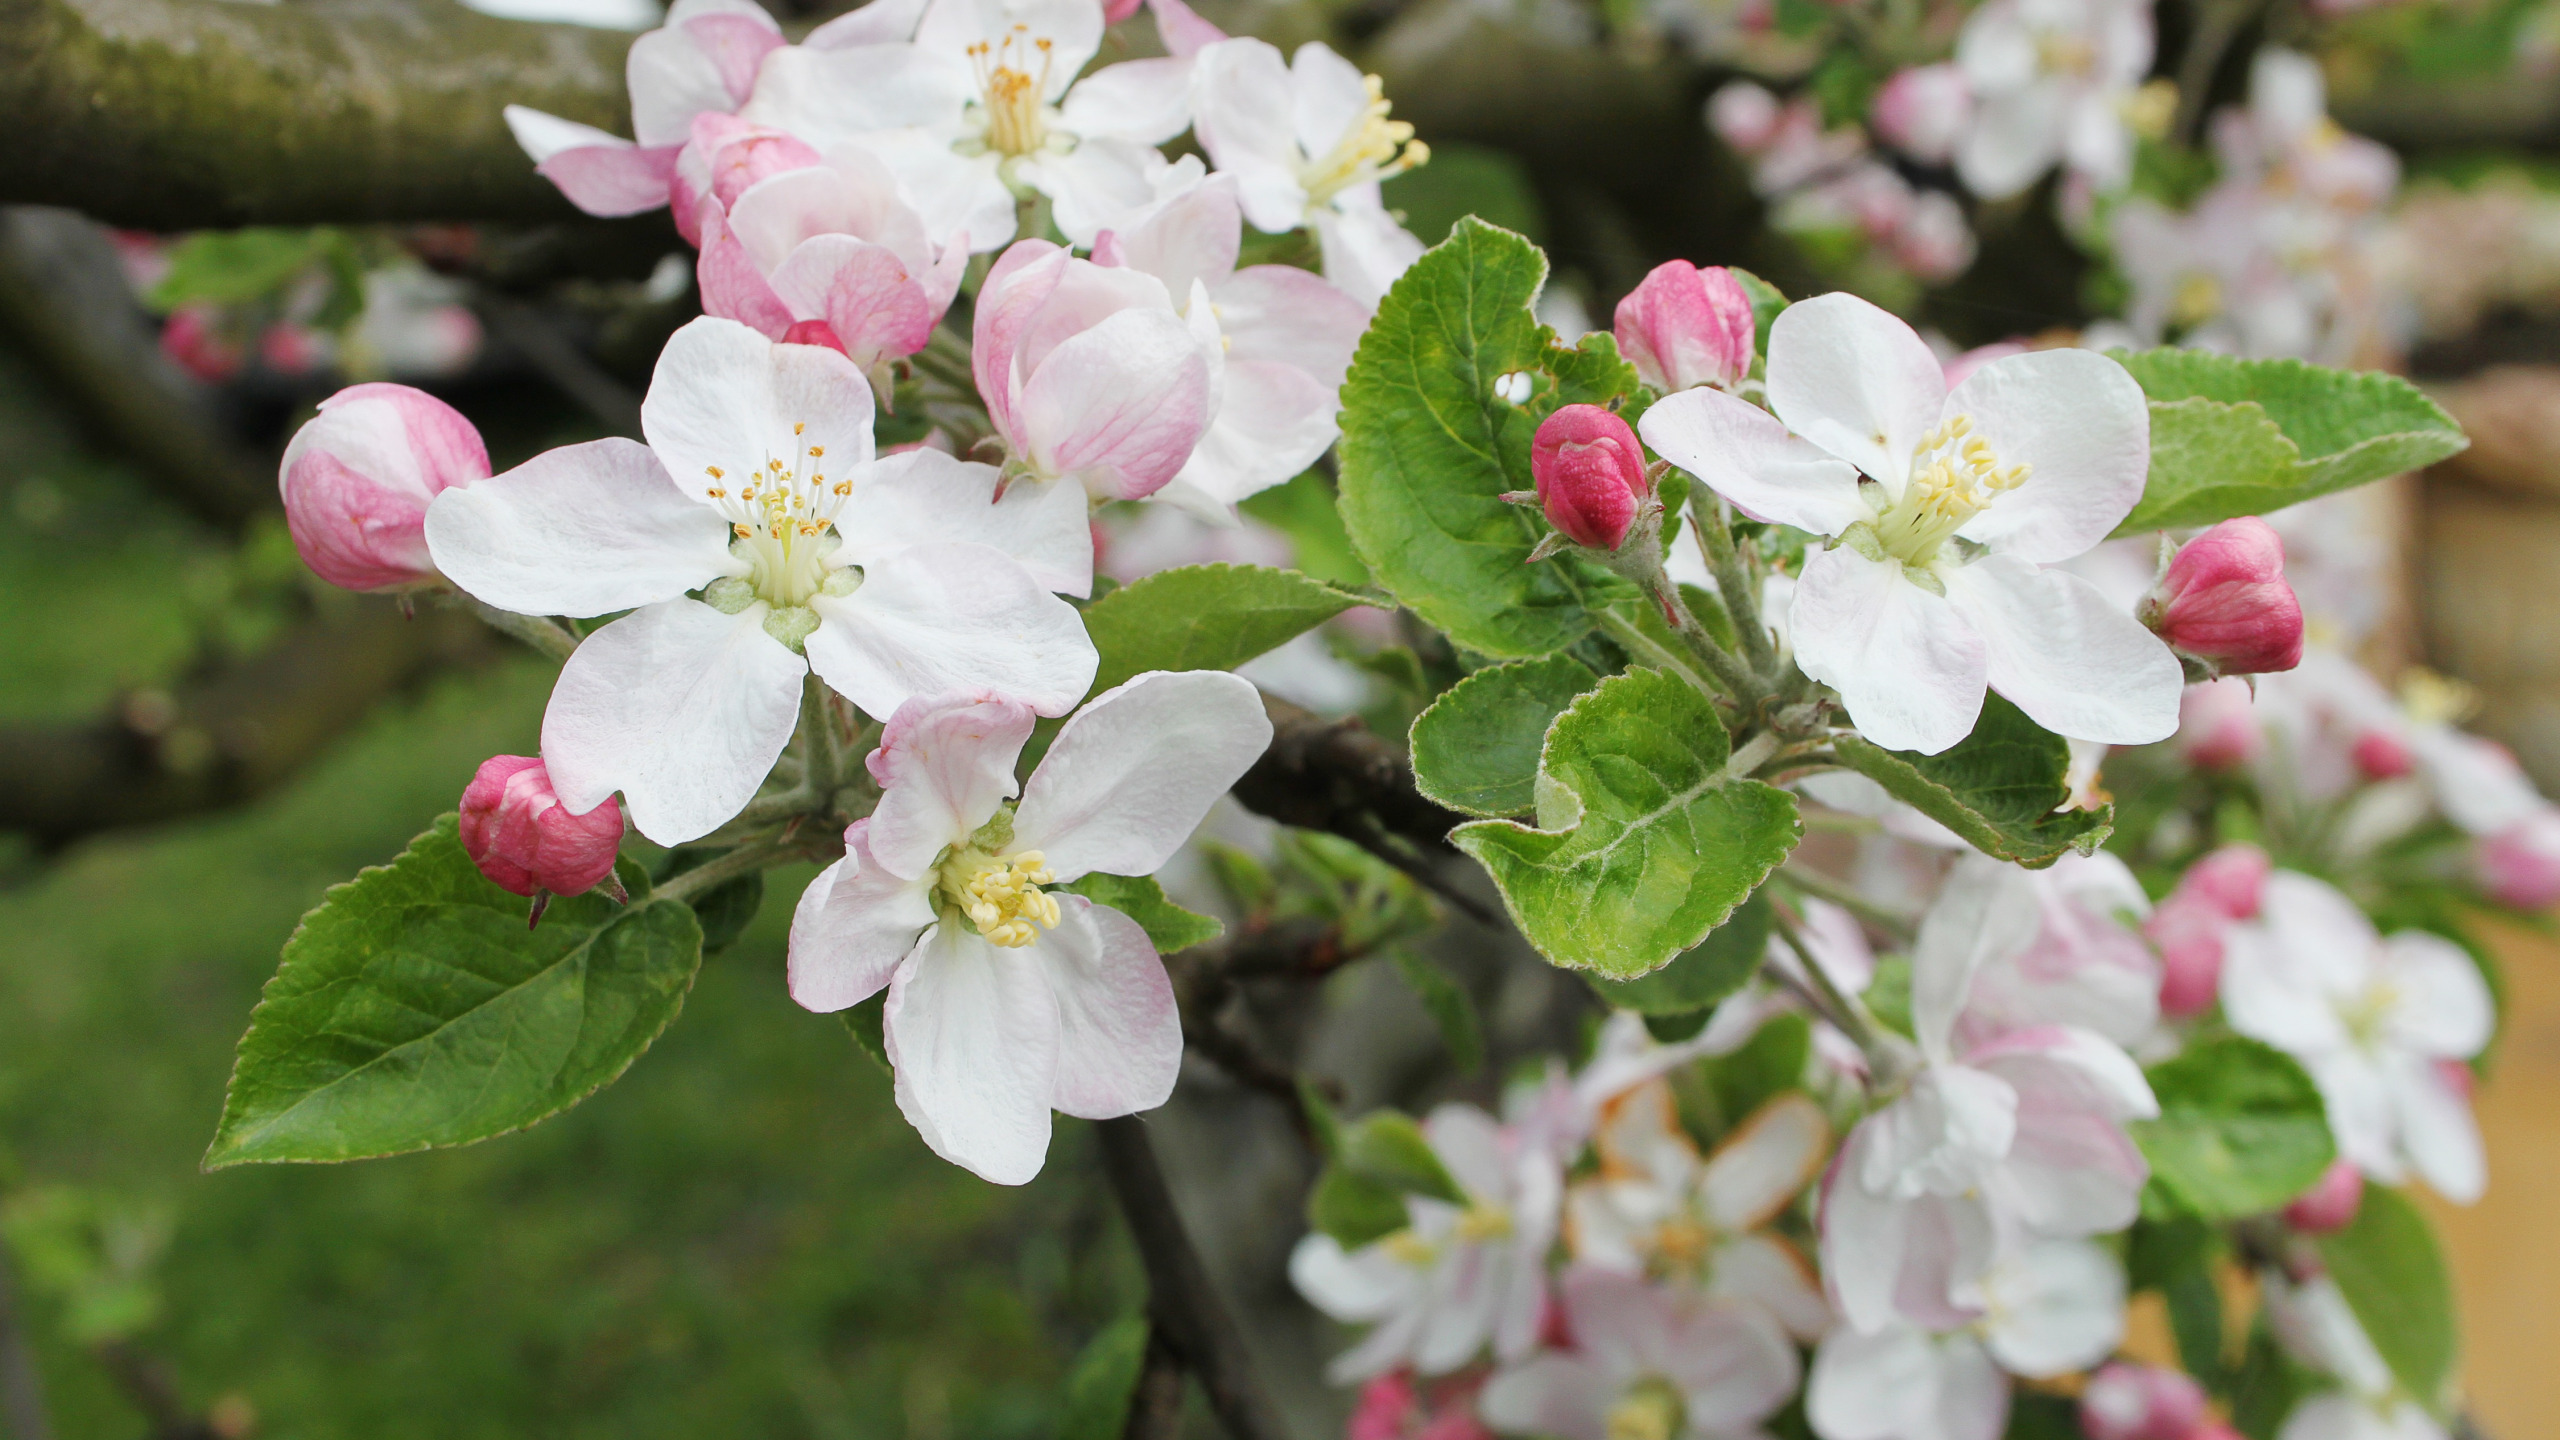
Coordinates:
x,y
714,472
1001,895
716,493
799,425
1373,148
844,487
743,531
817,450
1484,1222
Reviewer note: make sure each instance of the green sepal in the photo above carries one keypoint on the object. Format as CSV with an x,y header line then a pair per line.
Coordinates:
x,y
1169,927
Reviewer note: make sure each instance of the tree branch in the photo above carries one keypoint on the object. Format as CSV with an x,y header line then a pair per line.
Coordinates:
x,y
178,114
1180,1301
1338,777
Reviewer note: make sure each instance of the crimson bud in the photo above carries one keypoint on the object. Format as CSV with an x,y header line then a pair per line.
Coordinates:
x,y
520,835
2223,603
1589,469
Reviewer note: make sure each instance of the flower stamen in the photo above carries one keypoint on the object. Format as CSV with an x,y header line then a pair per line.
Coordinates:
x,y
1374,148
1954,476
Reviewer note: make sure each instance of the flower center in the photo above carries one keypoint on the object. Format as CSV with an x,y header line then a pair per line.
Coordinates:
x,y
1373,148
999,892
1955,474
782,522
2367,1011
2197,299
1680,1244
1013,89
1650,1410
1483,1222
2066,54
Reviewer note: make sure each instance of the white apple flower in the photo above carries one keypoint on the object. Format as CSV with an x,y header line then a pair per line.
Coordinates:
x,y
1287,337
2051,80
2375,1019
2315,1325
1938,582
1647,1363
2022,1135
1308,140
758,489
1007,1001
2083,965
1457,1276
985,105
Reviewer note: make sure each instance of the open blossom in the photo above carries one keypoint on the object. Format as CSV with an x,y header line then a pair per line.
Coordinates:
x,y
2083,964
1686,325
2520,865
1393,1407
1457,1277
1286,337
358,478
1007,1001
986,98
2372,1018
758,487
1090,374
2051,79
1646,1363
2047,1308
2141,1402
2314,1323
520,835
1308,140
1938,584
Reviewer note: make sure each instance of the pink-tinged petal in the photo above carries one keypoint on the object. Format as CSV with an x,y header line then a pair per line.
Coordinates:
x,y
1133,772
1856,381
1909,668
1987,913
2079,421
1458,1316
600,173
1685,326
1085,295
2056,1307
1730,1361
866,294
744,155
2057,649
944,765
1566,1396
1146,102
855,924
1020,283
1193,236
1274,421
400,438
736,45
542,135
1903,1384
1355,1286
882,22
972,1032
851,193
932,619
1744,454
1183,31
924,497
728,398
2441,1007
2063,1065
1620,1321
1886,1258
679,707
731,286
1119,407
582,530
2439,1134
1767,1271
352,532
1283,314
1764,1163
672,79
2069,1172
1945,1132
1119,1032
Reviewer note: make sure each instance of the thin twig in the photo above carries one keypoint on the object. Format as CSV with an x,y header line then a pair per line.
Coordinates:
x,y
747,859
1631,637
2218,23
1885,1064
1900,924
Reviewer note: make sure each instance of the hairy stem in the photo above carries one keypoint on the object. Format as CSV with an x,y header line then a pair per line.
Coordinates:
x,y
1885,1062
747,859
1737,586
1899,924
539,631
1631,637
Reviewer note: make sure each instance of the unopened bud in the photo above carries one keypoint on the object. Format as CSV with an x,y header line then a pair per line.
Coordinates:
x,y
526,841
1590,473
2141,1402
2189,925
1115,11
2233,879
357,480
2381,755
2223,603
1745,116
813,332
1687,326
2331,1202
2520,865
1923,112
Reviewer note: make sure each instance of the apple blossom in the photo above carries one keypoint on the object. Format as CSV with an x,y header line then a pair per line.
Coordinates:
x,y
1646,1364
516,830
2084,964
1286,336
1937,584
1924,112
1457,1277
2218,725
2369,1017
1590,473
1745,115
2141,1402
2520,865
2050,80
1393,1407
2216,892
358,479
2222,603
1686,325
1308,140
2314,1323
2332,1201
888,579
1090,374
1006,1001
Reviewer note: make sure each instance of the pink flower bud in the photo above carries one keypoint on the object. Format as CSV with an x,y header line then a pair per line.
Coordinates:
x,y
813,332
1745,116
1385,1404
2233,879
193,338
2457,1078
525,840
2381,755
1115,11
2141,1402
1923,112
1589,468
2520,865
358,478
2188,926
1687,326
2218,725
2331,1202
2223,601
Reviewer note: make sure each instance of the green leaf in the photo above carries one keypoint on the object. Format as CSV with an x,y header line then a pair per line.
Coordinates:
x,y
1698,979
1766,301
1449,1005
1429,447
1354,1211
2243,437
227,267
1464,180
1169,927
1387,1146
1205,617
1306,511
1644,843
868,1022
1476,749
2394,1277
1997,787
1094,1403
414,1009
2241,1132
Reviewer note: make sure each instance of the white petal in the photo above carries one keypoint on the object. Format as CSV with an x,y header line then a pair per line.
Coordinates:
x,y
1145,101
1905,1385
1241,112
2438,1131
1283,314
1567,1396
1766,1271
925,497
2077,665
1856,381
855,923
943,765
938,618
1765,1162
2056,1306
1274,421
1365,250
1986,913
2079,421
2015,138
1130,776
1731,1362
973,1035
1120,405
2364,1111
726,397
672,80
2440,1005
1119,1034
1907,665
1743,453
681,708
582,530
1358,1285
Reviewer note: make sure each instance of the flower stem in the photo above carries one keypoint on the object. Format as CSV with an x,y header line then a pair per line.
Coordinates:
x,y
539,631
1632,638
1885,1063
1900,925
821,748
1738,586
759,854
1741,680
